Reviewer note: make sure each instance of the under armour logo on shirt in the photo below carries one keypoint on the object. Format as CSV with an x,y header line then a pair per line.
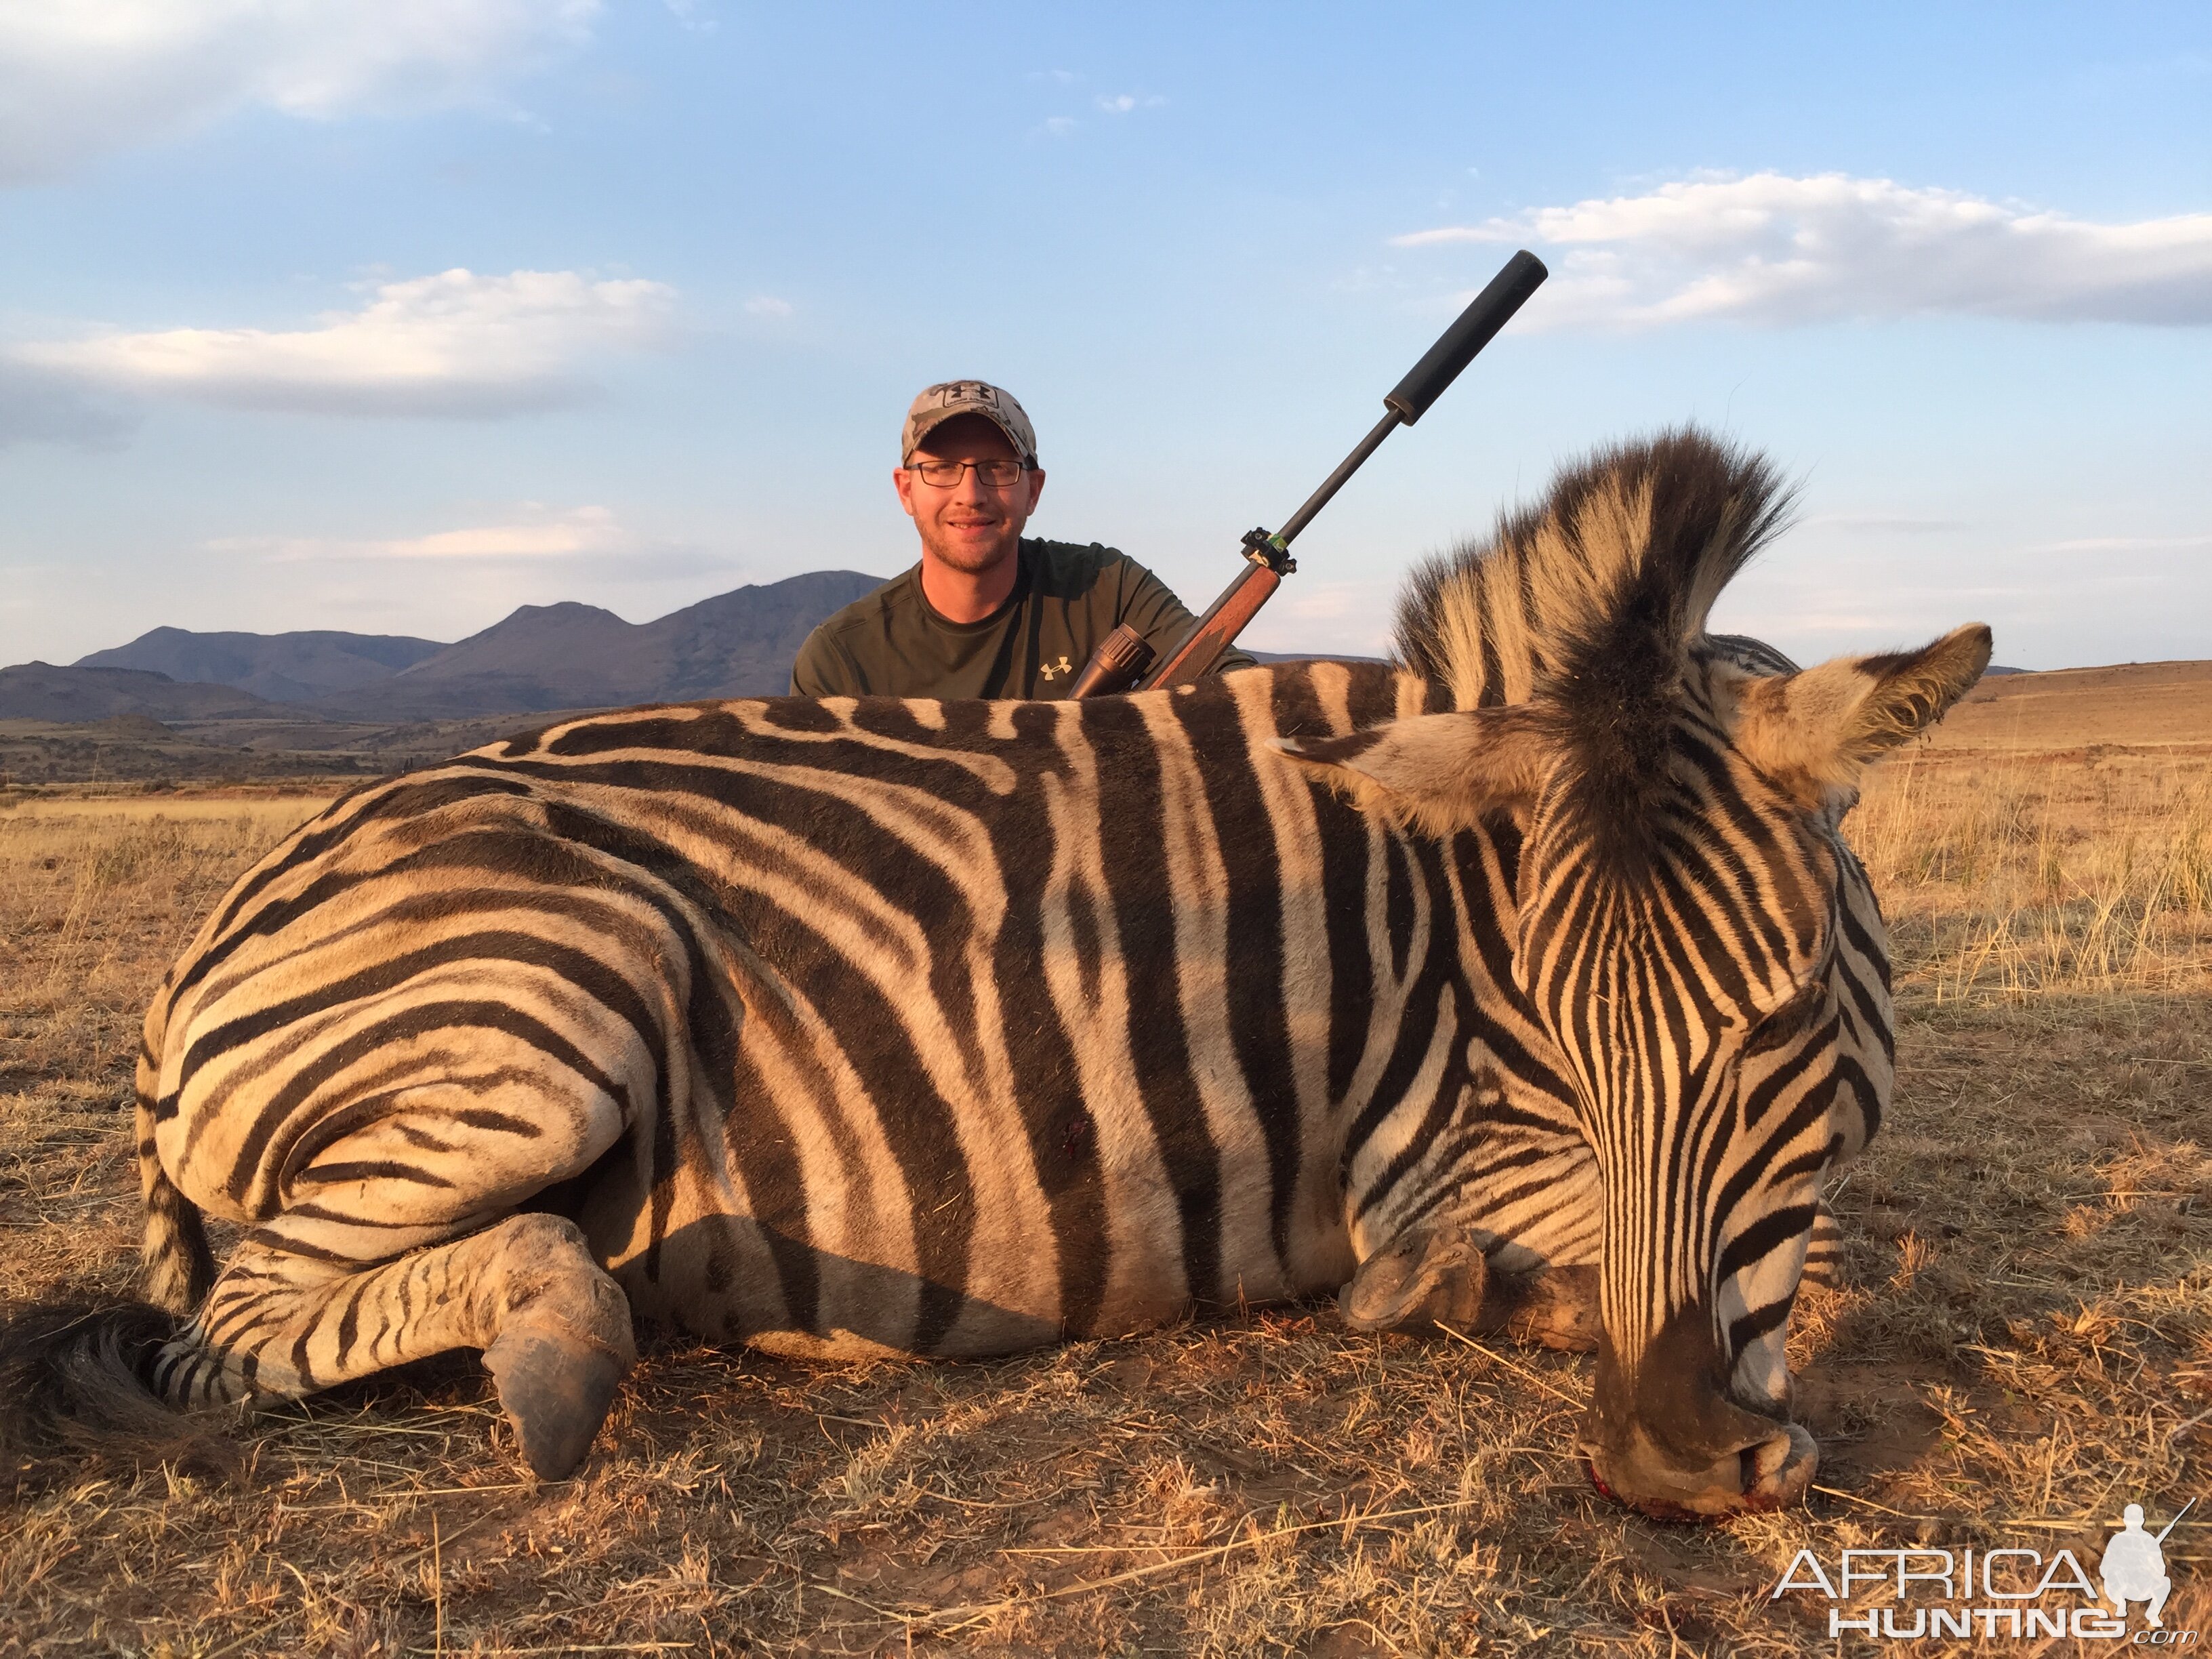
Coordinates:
x,y
1054,670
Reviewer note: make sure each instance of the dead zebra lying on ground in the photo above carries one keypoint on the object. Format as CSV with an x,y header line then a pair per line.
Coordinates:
x,y
1530,985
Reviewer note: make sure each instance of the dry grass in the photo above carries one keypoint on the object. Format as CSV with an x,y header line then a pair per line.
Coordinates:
x,y
2012,876
2027,1347
97,893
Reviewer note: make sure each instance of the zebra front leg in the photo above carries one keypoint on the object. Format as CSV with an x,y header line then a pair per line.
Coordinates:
x,y
281,1322
1442,1275
1824,1254
1496,1234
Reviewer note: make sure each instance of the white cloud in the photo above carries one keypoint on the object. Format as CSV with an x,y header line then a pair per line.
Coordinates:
x,y
2100,598
1122,103
533,531
693,15
1772,249
767,305
1058,126
1346,615
80,78
2125,544
523,541
457,343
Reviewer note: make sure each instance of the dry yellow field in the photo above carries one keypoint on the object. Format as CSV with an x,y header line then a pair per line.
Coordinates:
x,y
2160,707
2025,1344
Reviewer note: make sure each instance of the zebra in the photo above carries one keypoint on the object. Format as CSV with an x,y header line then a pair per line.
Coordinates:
x,y
1525,984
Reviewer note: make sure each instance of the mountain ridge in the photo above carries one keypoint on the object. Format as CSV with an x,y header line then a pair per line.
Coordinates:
x,y
283,667
537,658
75,695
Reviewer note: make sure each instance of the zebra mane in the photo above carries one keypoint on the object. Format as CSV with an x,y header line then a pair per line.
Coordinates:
x,y
1598,593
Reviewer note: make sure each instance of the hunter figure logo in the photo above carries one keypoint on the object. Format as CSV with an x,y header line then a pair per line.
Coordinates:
x,y
2134,1567
1989,1594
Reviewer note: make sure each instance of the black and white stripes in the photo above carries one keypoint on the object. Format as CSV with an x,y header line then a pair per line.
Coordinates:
x,y
1699,953
849,1027
936,1028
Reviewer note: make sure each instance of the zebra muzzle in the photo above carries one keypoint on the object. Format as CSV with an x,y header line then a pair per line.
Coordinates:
x,y
1772,1473
1669,1439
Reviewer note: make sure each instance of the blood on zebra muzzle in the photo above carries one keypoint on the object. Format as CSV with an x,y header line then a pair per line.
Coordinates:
x,y
1672,1440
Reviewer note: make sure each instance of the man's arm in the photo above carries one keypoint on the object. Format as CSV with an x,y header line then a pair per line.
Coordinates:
x,y
1150,606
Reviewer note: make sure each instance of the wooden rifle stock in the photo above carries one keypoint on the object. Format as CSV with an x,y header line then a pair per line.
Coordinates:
x,y
1125,655
1218,629
1122,659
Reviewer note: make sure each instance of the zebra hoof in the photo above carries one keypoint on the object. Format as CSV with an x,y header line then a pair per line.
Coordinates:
x,y
556,1389
1432,1276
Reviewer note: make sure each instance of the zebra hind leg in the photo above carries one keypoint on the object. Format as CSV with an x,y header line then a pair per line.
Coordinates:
x,y
284,1321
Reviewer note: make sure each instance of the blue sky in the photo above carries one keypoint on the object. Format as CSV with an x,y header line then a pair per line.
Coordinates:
x,y
394,317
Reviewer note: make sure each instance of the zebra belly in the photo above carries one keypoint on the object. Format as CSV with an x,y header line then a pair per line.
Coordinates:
x,y
847,1283
971,1063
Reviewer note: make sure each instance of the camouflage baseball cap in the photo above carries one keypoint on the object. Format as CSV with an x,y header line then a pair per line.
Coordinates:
x,y
938,404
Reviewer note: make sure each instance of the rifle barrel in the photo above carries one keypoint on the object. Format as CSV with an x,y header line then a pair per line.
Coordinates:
x,y
1350,465
2176,1521
1476,327
1118,662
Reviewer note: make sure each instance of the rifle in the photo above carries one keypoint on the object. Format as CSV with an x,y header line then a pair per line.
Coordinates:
x,y
2176,1521
1123,657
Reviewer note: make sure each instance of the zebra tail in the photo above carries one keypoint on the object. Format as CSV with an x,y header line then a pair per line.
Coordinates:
x,y
76,1378
77,1374
178,1265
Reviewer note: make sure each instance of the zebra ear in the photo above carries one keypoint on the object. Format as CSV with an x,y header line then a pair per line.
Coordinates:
x,y
1443,772
1817,731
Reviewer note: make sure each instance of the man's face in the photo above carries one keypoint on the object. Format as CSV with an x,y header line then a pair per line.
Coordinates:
x,y
969,526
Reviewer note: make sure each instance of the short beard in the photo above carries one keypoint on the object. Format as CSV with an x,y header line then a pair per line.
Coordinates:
x,y
972,563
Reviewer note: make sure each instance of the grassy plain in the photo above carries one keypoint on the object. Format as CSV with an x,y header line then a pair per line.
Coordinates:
x,y
2023,1346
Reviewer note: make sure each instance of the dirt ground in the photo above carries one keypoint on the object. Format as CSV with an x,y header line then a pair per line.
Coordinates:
x,y
2023,1347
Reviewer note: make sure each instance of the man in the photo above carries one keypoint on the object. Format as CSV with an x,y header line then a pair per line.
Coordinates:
x,y
2133,1568
987,613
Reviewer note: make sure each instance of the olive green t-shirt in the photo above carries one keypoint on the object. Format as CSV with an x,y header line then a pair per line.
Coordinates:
x,y
1067,599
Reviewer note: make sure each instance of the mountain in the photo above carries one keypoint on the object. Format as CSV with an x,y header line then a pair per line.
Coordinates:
x,y
540,660
542,657
546,657
41,691
283,667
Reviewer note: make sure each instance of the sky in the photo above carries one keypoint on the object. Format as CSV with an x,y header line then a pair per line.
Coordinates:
x,y
393,315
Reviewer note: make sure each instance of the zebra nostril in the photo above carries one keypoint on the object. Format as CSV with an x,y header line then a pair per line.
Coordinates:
x,y
1770,1466
1747,1461
1778,1469
1763,1457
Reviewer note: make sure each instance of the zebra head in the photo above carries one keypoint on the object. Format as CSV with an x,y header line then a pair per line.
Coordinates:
x,y
1691,932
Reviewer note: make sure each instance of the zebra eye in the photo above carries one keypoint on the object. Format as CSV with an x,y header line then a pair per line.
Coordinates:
x,y
1786,1022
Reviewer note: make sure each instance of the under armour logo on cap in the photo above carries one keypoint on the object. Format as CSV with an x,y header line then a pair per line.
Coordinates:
x,y
947,398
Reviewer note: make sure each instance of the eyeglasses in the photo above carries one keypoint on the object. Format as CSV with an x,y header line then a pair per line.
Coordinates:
x,y
947,475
